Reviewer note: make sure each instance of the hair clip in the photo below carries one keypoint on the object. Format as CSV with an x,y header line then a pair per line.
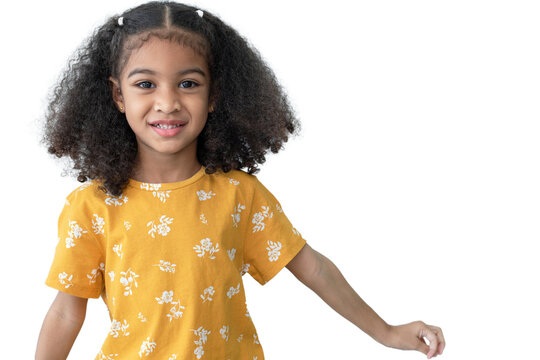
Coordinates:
x,y
121,21
200,13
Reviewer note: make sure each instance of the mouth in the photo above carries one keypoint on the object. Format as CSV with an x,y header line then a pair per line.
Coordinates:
x,y
167,127
167,124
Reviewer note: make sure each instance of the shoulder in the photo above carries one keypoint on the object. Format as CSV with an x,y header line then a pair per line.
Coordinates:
x,y
236,184
88,195
238,178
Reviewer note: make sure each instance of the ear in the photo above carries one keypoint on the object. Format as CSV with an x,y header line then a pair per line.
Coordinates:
x,y
117,93
212,102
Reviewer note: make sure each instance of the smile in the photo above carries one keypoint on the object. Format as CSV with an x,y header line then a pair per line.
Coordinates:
x,y
167,130
162,126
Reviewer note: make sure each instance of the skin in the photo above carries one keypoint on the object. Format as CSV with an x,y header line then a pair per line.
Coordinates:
x,y
61,327
166,90
164,80
323,277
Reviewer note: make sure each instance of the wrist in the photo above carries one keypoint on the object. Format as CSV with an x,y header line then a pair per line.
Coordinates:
x,y
388,336
379,331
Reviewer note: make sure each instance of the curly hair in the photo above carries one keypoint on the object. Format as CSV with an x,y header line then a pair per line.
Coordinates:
x,y
252,112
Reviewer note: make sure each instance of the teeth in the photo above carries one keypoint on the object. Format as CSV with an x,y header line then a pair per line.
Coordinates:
x,y
160,126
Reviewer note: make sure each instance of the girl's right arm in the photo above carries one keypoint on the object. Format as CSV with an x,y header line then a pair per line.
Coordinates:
x,y
61,327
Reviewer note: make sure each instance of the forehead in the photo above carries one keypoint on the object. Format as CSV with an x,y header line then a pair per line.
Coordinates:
x,y
165,48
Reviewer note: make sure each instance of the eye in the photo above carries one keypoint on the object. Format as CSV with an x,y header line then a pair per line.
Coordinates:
x,y
188,84
145,84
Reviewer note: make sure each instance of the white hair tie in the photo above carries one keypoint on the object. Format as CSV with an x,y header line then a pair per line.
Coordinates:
x,y
121,21
200,13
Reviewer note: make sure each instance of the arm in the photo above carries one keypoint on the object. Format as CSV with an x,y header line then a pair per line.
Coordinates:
x,y
61,327
323,277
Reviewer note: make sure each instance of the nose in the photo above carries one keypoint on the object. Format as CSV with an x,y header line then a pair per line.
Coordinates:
x,y
167,100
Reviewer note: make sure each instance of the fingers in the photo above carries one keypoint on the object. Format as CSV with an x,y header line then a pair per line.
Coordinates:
x,y
436,340
417,335
442,343
422,346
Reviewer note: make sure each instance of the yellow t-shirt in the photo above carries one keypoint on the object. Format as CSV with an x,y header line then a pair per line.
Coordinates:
x,y
168,261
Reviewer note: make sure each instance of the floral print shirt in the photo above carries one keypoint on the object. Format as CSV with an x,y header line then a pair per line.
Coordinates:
x,y
168,261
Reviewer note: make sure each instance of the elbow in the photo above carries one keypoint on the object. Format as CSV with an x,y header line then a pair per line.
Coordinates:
x,y
306,265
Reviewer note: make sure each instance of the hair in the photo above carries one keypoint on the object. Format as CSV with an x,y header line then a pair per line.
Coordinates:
x,y
252,113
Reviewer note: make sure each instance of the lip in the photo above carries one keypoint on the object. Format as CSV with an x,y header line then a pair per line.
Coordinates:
x,y
168,122
179,126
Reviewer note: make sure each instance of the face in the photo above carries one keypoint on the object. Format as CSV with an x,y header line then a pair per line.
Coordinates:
x,y
163,90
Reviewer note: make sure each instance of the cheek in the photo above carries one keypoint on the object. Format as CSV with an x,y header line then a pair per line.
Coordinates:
x,y
199,108
135,111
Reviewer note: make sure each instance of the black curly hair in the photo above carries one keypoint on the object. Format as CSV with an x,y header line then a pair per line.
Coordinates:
x,y
252,113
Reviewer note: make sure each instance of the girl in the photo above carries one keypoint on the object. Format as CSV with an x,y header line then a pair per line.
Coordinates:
x,y
159,112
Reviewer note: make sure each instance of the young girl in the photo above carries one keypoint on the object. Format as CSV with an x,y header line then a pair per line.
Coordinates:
x,y
159,112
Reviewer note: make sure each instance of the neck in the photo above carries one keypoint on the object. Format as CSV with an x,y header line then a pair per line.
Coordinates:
x,y
165,168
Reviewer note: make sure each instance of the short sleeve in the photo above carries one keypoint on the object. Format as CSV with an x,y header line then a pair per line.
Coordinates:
x,y
271,241
78,264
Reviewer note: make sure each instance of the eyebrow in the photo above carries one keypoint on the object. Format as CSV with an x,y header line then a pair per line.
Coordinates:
x,y
151,72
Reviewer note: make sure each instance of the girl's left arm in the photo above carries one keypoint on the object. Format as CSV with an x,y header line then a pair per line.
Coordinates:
x,y
323,277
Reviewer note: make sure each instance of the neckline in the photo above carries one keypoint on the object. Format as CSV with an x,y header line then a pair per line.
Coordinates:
x,y
167,186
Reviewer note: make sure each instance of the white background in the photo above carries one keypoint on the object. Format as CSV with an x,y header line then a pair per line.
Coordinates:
x,y
416,171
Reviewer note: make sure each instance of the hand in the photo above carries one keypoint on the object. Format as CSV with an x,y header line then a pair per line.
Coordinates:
x,y
411,337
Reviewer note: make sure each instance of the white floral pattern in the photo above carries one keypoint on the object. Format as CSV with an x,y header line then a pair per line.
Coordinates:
x,y
118,327
245,269
127,225
166,266
258,218
165,298
69,243
65,279
247,311
236,214
141,317
163,227
94,273
116,201
273,250
153,274
161,195
147,347
85,185
150,187
205,195
202,333
117,249
102,356
203,219
207,293
224,331
206,246
98,225
175,312
128,280
233,291
75,232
